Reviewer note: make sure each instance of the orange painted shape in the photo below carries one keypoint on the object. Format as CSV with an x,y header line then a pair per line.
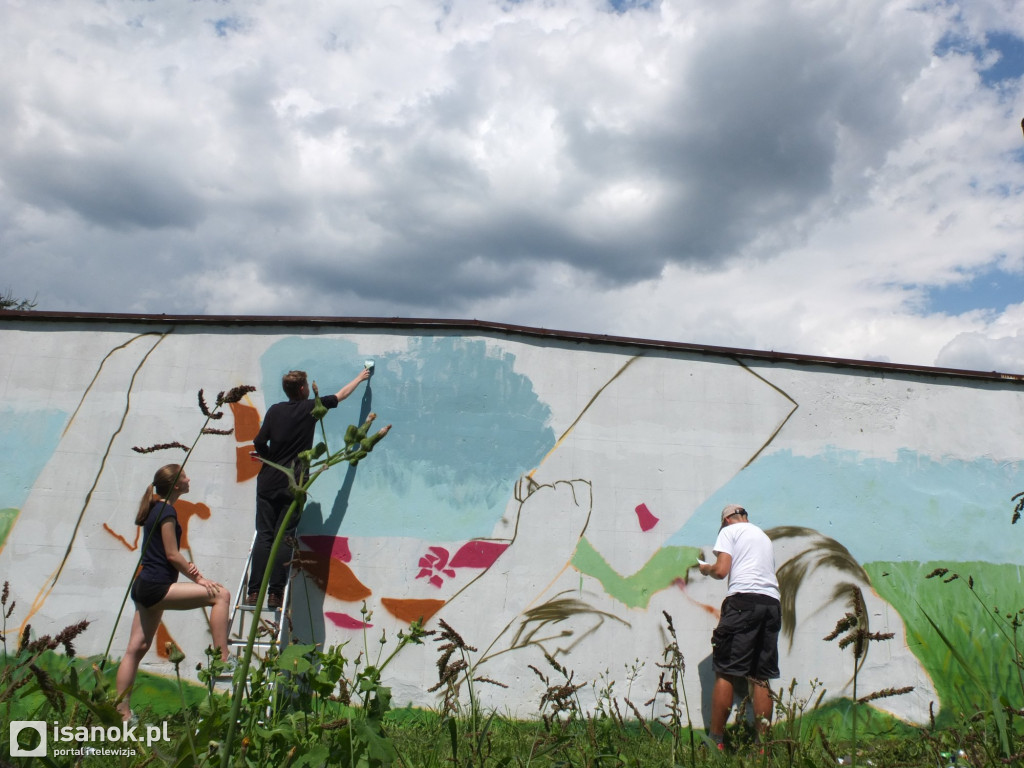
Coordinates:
x,y
245,467
343,584
333,577
247,421
409,610
186,511
122,539
162,638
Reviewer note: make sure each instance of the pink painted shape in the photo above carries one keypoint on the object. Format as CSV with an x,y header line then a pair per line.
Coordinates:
x,y
478,554
645,518
440,555
436,559
334,547
345,621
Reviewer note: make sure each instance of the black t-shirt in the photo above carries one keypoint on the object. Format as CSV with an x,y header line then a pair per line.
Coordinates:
x,y
155,566
287,430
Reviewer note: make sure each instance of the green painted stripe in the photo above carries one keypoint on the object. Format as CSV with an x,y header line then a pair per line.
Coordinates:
x,y
658,573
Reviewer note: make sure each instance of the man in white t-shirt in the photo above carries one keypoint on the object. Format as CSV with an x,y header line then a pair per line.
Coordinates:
x,y
745,644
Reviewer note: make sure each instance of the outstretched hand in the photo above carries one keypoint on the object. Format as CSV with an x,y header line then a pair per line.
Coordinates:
x,y
349,388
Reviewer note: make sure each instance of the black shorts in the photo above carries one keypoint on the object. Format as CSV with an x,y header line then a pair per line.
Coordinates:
x,y
746,641
149,593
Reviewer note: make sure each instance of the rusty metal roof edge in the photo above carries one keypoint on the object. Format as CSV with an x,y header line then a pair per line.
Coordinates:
x,y
520,330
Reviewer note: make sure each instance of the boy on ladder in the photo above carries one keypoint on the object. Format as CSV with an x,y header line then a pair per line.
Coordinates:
x,y
287,430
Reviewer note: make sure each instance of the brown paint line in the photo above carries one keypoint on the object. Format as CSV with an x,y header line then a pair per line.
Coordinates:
x,y
99,370
122,539
586,408
565,566
44,593
531,638
515,533
771,438
487,651
529,475
562,438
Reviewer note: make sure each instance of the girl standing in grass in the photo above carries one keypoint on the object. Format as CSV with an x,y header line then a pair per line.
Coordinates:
x,y
156,586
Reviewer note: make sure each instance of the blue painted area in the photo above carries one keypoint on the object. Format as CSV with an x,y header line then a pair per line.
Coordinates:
x,y
466,426
30,438
912,508
992,288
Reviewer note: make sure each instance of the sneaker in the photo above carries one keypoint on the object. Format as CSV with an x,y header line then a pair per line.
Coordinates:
x,y
274,601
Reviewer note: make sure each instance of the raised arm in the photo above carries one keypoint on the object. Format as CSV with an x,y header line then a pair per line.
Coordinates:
x,y
349,388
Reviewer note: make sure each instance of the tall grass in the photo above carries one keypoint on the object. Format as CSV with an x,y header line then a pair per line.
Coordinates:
x,y
332,708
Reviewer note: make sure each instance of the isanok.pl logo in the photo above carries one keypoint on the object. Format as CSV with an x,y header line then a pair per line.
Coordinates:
x,y
29,738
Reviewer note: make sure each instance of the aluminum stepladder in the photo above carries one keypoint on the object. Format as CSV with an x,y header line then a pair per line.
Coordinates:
x,y
273,631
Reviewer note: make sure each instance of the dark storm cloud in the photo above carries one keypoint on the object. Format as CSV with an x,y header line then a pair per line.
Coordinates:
x,y
741,136
746,139
116,192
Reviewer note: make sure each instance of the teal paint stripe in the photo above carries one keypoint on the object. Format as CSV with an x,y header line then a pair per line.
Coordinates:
x,y
29,438
914,507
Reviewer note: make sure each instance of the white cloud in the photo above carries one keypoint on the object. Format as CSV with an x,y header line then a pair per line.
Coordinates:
x,y
997,345
781,175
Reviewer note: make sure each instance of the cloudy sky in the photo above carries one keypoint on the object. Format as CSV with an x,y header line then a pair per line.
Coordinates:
x,y
828,177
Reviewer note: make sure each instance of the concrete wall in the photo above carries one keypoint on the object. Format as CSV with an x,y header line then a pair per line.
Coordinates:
x,y
539,494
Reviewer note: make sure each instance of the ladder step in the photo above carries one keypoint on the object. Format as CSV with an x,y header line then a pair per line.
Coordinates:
x,y
272,630
252,608
258,645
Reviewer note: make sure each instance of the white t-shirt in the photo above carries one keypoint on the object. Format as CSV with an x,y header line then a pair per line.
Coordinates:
x,y
753,559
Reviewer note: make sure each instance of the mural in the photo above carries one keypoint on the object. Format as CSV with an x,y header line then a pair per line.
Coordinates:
x,y
542,495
